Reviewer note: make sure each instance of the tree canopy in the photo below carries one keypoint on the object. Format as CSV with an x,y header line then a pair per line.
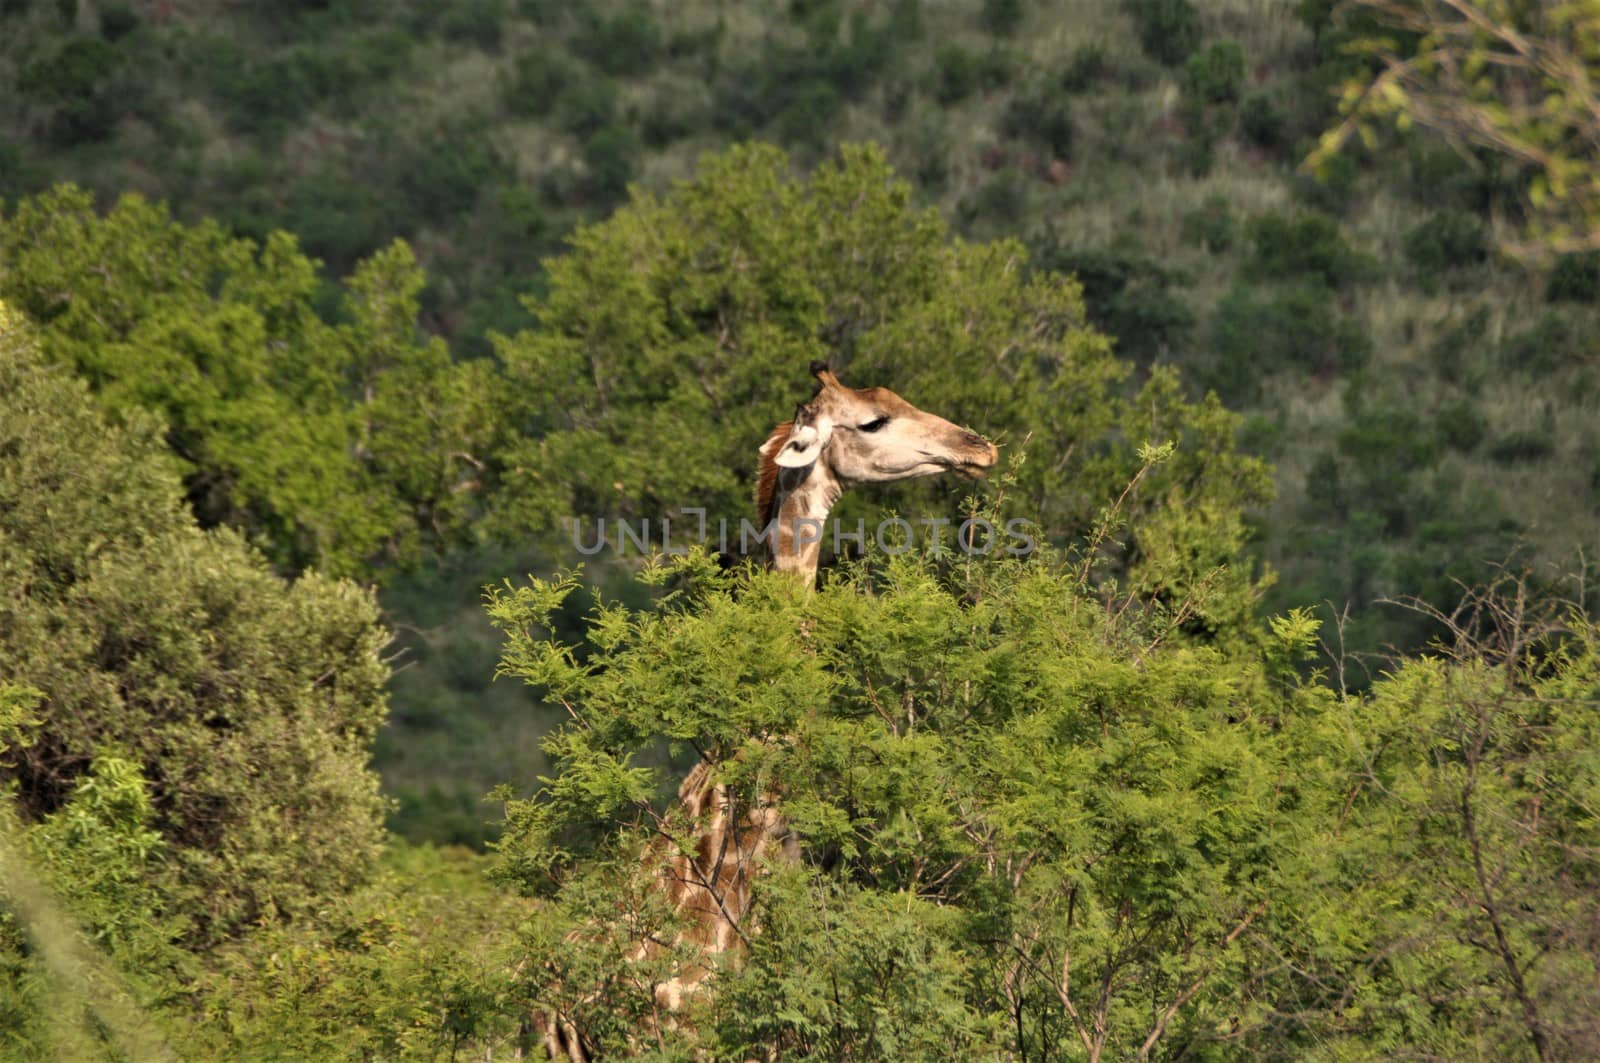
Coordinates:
x,y
245,704
675,334
1037,820
332,445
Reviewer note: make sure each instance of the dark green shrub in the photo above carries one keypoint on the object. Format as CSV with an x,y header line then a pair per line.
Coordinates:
x,y
1575,279
1041,117
441,177
1257,331
1333,186
586,105
1215,75
610,157
475,22
1461,424
81,87
624,45
808,119
1522,445
956,74
1262,122
1001,17
669,117
1555,342
538,81
337,220
265,96
996,67
117,21
1310,243
1387,445
1128,296
1168,30
1212,225
1325,485
1086,67
1448,240
1001,202
542,12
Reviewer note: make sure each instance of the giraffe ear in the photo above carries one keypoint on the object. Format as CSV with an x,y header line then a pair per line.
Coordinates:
x,y
805,442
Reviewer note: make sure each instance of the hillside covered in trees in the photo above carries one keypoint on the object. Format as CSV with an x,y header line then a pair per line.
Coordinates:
x,y
320,318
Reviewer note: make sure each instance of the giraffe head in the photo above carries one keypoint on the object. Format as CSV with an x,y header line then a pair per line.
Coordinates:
x,y
872,435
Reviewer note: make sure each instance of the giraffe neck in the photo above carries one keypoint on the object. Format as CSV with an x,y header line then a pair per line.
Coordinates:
x,y
805,497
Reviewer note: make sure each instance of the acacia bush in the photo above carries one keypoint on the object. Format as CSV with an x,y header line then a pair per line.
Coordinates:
x,y
1033,814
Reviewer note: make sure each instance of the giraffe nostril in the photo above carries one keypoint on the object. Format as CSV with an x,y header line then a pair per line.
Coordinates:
x,y
973,439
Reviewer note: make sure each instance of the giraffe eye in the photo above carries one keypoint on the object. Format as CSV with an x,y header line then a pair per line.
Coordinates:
x,y
874,424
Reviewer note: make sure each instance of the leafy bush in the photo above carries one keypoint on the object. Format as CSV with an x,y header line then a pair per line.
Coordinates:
x,y
587,104
1388,444
1085,68
1215,75
477,22
117,21
1001,17
808,119
1042,117
1211,225
1309,244
957,73
539,78
1522,445
1129,296
247,704
1262,122
624,45
1553,343
443,177
609,157
1257,331
1461,424
1575,279
80,85
1448,240
1168,30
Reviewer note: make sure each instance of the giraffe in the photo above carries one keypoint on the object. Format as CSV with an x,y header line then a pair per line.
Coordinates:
x,y
842,437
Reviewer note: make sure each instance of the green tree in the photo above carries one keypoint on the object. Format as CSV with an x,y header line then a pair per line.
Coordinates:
x,y
246,705
1031,823
675,335
332,446
1455,913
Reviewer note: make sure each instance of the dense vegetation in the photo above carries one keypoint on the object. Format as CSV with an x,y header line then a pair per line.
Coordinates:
x,y
1424,403
284,382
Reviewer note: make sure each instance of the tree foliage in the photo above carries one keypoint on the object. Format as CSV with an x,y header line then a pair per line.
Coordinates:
x,y
329,445
1516,77
245,704
675,334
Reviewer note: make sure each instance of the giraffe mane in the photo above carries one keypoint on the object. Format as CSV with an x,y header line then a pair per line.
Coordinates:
x,y
767,473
